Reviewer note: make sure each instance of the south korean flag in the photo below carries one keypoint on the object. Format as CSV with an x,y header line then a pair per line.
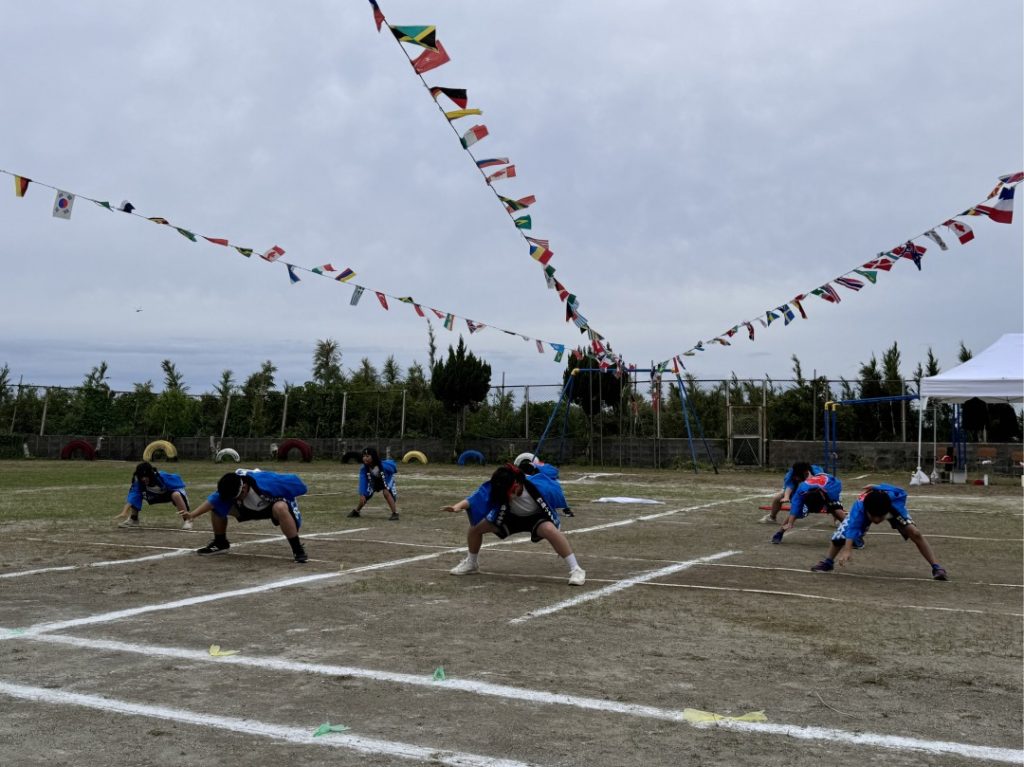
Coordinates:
x,y
62,204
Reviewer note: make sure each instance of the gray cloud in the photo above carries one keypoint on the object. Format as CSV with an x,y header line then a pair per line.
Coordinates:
x,y
695,165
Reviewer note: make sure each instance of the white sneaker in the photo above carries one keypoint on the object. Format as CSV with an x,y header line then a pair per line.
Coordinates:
x,y
465,567
130,523
767,520
577,576
186,524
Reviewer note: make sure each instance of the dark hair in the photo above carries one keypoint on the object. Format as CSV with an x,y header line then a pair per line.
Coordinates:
x,y
145,469
815,499
501,483
877,503
229,486
801,470
374,456
527,467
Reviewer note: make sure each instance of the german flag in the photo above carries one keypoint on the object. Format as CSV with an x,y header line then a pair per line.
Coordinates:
x,y
21,185
456,95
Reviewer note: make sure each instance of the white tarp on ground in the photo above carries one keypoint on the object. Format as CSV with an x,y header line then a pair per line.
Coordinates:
x,y
994,375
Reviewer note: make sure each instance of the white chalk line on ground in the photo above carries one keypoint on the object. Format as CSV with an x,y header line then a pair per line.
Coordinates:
x,y
177,552
531,696
619,586
873,604
253,727
848,574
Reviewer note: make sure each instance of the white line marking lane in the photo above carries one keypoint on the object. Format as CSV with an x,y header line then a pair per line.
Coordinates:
x,y
166,555
620,586
890,742
252,727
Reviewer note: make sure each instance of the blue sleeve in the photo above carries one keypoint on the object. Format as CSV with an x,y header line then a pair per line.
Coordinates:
x,y
478,503
547,469
134,498
796,502
220,507
787,481
833,488
550,490
389,467
364,480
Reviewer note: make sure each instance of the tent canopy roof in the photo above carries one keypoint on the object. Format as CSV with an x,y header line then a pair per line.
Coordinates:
x,y
994,375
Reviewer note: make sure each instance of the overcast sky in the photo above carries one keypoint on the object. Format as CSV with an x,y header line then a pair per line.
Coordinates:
x,y
695,164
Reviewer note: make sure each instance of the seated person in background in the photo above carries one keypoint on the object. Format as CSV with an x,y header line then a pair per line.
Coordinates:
x,y
875,504
817,493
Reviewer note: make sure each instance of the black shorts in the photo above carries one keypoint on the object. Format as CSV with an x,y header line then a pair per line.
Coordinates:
x,y
900,524
245,514
165,497
510,524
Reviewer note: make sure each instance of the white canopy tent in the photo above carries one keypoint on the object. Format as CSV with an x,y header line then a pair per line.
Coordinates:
x,y
994,375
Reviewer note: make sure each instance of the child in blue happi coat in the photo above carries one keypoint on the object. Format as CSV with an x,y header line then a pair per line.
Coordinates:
x,y
154,486
876,504
817,493
797,473
247,495
515,500
377,476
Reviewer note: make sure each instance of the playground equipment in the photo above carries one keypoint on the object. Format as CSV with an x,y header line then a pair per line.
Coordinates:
x,y
170,451
288,445
471,455
414,455
227,452
830,430
87,451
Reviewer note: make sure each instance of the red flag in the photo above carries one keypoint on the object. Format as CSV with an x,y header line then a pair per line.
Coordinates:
x,y
509,172
431,59
383,299
440,315
215,240
378,17
419,310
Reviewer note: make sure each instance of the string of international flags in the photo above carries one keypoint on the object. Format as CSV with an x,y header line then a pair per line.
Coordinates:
x,y
64,202
998,206
433,56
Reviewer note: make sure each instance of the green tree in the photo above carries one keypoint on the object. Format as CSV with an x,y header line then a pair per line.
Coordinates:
x,y
173,380
460,382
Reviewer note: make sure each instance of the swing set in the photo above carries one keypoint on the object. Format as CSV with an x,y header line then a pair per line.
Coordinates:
x,y
565,400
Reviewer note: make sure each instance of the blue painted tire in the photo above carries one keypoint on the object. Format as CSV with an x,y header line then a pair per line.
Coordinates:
x,y
470,455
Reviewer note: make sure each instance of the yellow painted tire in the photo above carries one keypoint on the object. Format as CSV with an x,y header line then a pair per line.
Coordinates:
x,y
227,453
169,450
414,455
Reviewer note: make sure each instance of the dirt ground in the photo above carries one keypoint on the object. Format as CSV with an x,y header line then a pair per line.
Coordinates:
x,y
106,633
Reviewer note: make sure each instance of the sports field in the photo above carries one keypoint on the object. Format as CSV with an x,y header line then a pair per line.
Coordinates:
x,y
690,623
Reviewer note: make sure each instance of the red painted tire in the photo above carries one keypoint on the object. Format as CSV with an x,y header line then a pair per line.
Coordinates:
x,y
294,444
78,446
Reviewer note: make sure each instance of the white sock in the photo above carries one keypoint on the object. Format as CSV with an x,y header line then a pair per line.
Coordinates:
x,y
472,558
571,561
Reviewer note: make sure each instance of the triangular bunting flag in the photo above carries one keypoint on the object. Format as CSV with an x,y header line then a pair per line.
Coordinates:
x,y
291,274
383,299
457,96
21,185
357,293
188,235
216,240
378,17
244,251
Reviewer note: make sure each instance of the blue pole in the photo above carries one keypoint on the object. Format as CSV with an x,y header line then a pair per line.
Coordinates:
x,y
563,398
